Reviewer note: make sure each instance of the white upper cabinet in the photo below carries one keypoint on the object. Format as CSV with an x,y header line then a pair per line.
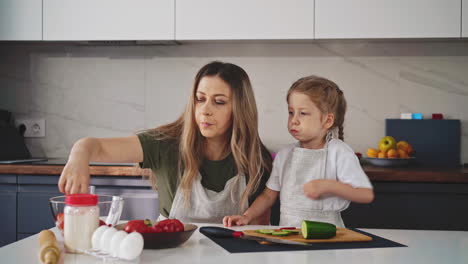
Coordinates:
x,y
465,19
20,19
244,19
108,20
342,19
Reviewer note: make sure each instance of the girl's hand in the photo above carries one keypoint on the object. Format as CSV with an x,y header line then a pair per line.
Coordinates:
x,y
239,220
317,188
74,177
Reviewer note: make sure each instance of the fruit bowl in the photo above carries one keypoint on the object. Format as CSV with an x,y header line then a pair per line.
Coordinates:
x,y
165,239
383,162
57,205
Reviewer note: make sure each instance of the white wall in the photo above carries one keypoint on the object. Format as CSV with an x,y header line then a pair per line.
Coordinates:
x,y
115,91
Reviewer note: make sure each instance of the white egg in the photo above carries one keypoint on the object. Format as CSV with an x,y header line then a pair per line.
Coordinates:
x,y
96,238
131,246
106,239
115,242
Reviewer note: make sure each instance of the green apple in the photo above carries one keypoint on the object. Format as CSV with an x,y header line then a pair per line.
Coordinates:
x,y
387,143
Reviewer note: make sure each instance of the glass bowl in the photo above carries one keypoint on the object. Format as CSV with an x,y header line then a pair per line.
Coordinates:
x,y
57,205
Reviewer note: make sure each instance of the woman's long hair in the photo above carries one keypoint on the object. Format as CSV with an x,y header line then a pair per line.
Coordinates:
x,y
250,155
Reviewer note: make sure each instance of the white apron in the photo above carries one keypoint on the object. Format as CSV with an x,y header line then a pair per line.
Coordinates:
x,y
207,206
302,166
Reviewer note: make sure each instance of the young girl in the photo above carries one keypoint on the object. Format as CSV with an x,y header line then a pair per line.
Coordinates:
x,y
318,176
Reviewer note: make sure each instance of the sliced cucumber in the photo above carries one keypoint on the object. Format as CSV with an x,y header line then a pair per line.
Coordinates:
x,y
317,230
265,231
280,233
290,231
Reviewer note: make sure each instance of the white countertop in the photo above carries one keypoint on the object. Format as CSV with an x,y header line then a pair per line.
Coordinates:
x,y
423,247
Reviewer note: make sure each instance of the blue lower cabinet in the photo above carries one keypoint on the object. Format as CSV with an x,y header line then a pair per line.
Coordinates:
x,y
424,206
23,236
34,212
8,209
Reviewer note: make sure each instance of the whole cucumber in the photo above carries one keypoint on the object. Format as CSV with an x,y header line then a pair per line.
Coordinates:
x,y
317,230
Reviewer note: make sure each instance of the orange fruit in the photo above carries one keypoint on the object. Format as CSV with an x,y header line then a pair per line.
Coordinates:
x,y
392,154
372,153
410,150
403,145
402,154
382,155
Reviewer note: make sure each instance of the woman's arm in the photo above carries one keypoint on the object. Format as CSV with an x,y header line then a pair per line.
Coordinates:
x,y
317,188
75,174
262,204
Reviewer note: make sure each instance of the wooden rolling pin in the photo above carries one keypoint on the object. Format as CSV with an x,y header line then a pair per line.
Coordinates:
x,y
49,252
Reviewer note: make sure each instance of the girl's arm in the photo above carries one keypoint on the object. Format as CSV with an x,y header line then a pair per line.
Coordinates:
x,y
262,204
317,188
75,174
263,219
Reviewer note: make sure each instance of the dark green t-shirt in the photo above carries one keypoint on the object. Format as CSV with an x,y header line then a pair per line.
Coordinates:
x,y
162,157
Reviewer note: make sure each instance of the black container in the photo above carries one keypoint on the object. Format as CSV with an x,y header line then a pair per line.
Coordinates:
x,y
436,142
12,144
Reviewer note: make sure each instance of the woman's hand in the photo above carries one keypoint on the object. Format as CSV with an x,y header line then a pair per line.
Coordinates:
x,y
239,220
74,177
75,174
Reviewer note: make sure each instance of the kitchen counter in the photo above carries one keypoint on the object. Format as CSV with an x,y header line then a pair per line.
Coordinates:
x,y
55,166
376,174
417,174
423,247
57,170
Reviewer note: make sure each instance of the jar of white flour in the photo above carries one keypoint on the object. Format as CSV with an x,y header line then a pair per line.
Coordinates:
x,y
81,218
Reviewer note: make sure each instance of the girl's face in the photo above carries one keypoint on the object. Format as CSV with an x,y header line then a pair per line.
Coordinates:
x,y
213,107
306,122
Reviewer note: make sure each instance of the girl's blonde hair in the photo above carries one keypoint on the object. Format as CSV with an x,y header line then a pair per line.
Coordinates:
x,y
250,155
326,95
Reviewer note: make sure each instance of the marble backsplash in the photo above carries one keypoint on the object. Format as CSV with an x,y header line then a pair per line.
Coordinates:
x,y
107,91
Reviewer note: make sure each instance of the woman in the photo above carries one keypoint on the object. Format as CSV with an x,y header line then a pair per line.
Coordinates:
x,y
207,164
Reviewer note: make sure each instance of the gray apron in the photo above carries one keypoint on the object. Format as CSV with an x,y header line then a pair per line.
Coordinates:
x,y
207,206
302,166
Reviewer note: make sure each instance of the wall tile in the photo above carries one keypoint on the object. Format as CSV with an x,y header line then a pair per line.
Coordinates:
x,y
115,91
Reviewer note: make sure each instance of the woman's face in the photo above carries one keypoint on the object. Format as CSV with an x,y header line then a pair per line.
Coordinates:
x,y
213,107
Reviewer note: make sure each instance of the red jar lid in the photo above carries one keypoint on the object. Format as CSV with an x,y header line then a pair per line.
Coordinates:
x,y
81,199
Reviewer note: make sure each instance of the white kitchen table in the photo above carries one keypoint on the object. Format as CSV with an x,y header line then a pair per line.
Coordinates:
x,y
423,247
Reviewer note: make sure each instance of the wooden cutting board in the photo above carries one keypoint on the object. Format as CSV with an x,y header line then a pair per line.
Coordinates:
x,y
342,235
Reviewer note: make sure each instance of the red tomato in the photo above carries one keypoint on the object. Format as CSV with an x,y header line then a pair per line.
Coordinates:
x,y
140,226
288,228
178,225
164,222
157,229
179,229
59,222
170,225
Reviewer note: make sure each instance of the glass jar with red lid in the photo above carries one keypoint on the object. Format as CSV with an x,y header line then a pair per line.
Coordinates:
x,y
81,219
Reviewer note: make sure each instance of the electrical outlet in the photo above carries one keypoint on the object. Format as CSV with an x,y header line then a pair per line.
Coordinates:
x,y
34,127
